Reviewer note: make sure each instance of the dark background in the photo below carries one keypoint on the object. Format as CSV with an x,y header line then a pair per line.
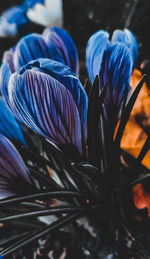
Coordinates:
x,y
83,17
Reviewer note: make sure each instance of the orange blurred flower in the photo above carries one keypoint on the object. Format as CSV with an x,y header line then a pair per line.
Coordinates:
x,y
141,198
134,135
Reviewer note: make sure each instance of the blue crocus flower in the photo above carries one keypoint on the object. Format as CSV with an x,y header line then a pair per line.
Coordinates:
x,y
11,20
14,176
48,97
114,62
9,127
54,43
99,41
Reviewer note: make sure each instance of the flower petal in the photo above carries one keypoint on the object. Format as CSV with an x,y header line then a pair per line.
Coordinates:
x,y
33,46
7,29
46,106
94,52
51,37
15,15
14,177
51,4
5,74
8,57
47,15
8,124
127,37
39,14
66,77
68,48
11,20
115,72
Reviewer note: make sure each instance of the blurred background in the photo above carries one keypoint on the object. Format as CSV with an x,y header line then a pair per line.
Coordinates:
x,y
83,17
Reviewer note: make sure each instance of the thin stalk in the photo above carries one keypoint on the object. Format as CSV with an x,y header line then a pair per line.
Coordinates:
x,y
45,212
36,196
38,234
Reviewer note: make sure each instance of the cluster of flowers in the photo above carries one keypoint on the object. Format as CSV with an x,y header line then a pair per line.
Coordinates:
x,y
40,89
42,94
43,12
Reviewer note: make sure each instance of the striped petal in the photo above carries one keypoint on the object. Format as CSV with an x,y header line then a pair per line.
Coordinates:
x,y
8,57
33,46
115,72
54,43
5,74
94,52
127,37
51,37
8,124
46,106
64,75
68,48
14,176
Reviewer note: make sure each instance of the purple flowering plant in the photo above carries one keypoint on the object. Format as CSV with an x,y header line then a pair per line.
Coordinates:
x,y
60,167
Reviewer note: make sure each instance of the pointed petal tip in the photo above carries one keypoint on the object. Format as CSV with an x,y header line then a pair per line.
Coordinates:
x,y
94,52
71,49
29,48
128,38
